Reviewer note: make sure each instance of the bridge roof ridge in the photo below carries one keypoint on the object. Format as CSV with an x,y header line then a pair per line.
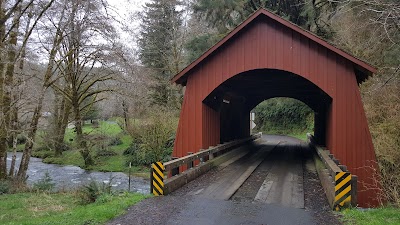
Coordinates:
x,y
365,69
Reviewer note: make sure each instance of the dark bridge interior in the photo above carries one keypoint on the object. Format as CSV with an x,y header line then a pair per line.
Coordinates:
x,y
237,96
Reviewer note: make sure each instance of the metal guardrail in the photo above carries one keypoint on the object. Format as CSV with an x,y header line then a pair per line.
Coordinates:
x,y
177,178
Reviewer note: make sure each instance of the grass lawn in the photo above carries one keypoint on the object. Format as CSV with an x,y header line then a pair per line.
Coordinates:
x,y
62,208
386,216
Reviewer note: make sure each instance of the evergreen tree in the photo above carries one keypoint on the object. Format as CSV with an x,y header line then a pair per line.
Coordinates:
x,y
159,47
225,15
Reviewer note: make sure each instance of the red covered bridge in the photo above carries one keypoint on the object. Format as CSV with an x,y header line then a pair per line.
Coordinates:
x,y
265,57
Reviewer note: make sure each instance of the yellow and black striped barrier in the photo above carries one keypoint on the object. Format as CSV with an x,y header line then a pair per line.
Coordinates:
x,y
157,178
342,190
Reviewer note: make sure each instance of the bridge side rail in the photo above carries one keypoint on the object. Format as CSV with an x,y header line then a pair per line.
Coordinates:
x,y
178,179
339,185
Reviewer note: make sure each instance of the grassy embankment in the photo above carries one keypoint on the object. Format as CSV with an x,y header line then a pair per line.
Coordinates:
x,y
62,208
386,216
112,163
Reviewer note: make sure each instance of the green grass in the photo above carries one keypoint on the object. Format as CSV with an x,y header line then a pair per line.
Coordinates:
x,y
385,215
62,208
106,163
114,163
105,128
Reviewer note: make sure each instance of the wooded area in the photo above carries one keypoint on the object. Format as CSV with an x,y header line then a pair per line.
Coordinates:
x,y
64,61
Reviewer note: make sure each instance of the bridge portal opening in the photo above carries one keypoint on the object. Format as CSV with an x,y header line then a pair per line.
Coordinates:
x,y
235,98
282,116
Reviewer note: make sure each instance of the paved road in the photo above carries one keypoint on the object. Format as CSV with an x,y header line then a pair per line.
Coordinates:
x,y
265,186
278,200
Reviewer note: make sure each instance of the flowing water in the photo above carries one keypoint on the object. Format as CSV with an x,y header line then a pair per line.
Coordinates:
x,y
72,177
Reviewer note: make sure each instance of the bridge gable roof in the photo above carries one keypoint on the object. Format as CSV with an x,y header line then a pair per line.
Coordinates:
x,y
362,69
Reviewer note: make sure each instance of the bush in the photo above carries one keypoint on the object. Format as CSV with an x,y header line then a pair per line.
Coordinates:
x,y
114,141
4,187
41,148
94,191
45,153
21,139
95,124
383,116
44,184
54,160
152,139
89,193
64,147
105,152
133,147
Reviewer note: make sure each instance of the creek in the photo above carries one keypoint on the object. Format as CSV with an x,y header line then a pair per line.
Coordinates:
x,y
73,177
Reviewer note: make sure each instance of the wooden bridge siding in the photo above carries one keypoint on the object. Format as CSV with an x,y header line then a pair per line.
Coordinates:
x,y
265,44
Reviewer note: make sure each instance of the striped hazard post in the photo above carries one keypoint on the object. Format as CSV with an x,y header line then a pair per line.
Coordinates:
x,y
157,178
342,190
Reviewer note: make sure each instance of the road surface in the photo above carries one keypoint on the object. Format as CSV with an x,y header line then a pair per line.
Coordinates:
x,y
265,186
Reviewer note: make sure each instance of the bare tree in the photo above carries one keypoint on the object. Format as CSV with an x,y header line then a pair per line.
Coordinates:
x,y
12,15
87,42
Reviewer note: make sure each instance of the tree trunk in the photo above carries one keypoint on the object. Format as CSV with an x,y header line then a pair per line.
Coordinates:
x,y
14,157
23,167
61,122
83,148
3,131
3,158
125,109
7,92
26,156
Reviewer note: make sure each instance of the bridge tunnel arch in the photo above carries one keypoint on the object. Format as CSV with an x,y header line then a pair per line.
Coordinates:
x,y
236,97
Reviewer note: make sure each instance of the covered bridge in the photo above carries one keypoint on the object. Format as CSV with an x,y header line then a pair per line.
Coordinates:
x,y
266,57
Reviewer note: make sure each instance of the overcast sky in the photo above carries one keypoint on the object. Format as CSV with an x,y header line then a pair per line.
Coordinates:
x,y
125,8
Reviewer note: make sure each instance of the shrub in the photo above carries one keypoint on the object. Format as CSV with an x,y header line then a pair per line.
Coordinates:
x,y
94,191
382,107
133,147
114,141
45,153
41,148
64,146
44,184
4,187
90,192
152,139
105,152
54,160
21,139
95,124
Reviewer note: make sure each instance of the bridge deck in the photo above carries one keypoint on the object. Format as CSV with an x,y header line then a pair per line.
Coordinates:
x,y
264,186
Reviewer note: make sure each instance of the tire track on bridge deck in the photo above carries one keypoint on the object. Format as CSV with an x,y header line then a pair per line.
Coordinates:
x,y
233,176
